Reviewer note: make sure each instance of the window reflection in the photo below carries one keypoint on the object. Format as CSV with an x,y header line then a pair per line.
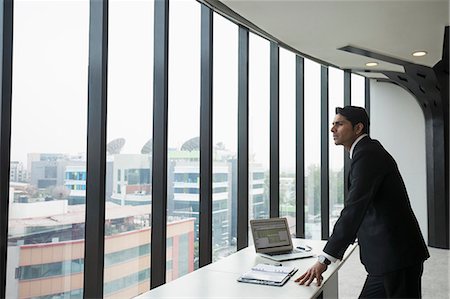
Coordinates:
x,y
287,137
312,150
336,153
129,136
225,130
183,137
48,142
259,121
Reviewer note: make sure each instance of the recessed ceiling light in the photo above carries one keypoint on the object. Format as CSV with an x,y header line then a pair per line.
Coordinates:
x,y
372,64
419,53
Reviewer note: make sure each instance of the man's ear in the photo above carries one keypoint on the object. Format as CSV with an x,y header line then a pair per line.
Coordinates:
x,y
359,128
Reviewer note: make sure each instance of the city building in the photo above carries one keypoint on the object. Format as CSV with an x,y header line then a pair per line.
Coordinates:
x,y
48,169
17,172
131,179
46,249
75,182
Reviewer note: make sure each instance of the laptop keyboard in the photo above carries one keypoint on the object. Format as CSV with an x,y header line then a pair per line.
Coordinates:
x,y
284,252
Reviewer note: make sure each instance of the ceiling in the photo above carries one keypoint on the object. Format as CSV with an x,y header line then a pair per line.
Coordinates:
x,y
319,28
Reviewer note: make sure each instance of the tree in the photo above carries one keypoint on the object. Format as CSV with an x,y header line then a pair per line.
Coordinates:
x,y
60,192
312,188
32,191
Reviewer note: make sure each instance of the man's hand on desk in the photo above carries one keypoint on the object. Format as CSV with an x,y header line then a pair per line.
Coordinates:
x,y
314,272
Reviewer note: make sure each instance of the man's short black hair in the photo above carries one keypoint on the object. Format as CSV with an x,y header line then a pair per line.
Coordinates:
x,y
355,115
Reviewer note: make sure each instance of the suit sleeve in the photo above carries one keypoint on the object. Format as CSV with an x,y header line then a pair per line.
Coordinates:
x,y
367,174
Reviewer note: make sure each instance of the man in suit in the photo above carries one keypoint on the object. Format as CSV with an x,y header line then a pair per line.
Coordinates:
x,y
377,211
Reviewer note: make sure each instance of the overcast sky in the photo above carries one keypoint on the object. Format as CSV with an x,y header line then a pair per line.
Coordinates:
x,y
50,63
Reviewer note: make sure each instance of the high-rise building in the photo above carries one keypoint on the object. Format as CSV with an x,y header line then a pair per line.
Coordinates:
x,y
131,179
17,172
48,169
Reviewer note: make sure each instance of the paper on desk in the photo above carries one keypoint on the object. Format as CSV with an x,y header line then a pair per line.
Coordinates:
x,y
264,276
273,268
269,273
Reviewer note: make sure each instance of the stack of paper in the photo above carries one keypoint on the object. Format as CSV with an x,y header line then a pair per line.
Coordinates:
x,y
268,274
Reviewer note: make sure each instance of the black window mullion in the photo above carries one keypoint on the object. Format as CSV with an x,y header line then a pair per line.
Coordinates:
x,y
300,147
367,98
242,181
96,150
347,88
6,23
347,102
206,173
324,155
274,185
159,154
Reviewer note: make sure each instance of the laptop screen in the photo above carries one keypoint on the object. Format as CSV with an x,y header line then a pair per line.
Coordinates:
x,y
270,233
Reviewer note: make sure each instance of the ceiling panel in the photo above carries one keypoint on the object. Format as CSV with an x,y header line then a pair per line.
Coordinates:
x,y
319,28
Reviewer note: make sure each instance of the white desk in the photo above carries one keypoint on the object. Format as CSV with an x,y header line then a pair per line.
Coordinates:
x,y
218,280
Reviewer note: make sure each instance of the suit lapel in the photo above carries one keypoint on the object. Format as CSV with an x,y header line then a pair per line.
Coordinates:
x,y
357,147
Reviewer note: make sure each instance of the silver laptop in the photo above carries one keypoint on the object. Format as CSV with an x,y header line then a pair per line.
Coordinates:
x,y
273,240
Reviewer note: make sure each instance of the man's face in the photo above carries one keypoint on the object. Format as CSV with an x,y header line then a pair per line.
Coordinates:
x,y
343,131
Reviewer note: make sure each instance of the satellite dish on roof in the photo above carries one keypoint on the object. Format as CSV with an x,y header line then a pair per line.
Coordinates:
x,y
148,147
192,144
114,147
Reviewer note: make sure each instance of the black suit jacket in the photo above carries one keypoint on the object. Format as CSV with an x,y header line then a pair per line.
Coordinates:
x,y
377,211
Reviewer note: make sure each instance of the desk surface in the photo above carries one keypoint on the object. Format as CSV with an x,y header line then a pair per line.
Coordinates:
x,y
218,280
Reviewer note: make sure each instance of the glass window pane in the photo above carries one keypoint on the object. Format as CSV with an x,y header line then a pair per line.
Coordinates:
x,y
287,137
336,164
259,126
129,133
48,144
183,136
225,91
358,90
312,150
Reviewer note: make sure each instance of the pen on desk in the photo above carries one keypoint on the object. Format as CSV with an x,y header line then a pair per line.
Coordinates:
x,y
305,248
277,264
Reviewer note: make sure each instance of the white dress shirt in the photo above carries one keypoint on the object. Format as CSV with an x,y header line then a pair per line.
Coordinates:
x,y
354,144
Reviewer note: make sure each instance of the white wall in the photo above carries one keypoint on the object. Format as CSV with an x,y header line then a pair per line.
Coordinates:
x,y
37,209
398,123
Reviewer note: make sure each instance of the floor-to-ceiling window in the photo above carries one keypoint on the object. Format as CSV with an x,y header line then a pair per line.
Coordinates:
x,y
336,153
48,149
312,123
287,137
358,90
259,121
225,92
129,148
48,163
183,168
